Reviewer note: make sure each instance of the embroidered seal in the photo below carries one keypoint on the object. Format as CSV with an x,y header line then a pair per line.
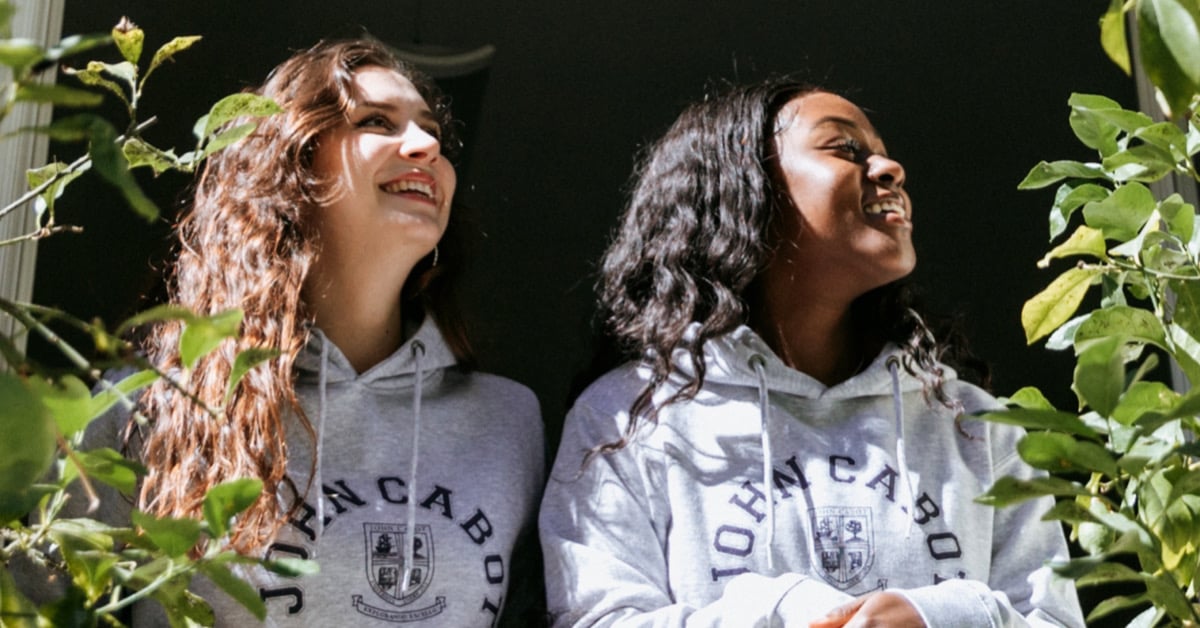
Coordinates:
x,y
843,540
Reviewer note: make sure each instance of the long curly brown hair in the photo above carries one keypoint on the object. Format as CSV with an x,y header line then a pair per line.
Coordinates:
x,y
247,241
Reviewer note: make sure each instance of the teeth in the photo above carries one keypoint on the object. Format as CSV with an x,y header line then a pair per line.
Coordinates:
x,y
408,185
889,206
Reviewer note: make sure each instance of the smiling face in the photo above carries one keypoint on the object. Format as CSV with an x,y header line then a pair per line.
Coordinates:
x,y
848,223
393,186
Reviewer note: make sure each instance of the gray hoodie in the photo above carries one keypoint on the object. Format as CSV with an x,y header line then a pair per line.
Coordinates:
x,y
863,486
429,475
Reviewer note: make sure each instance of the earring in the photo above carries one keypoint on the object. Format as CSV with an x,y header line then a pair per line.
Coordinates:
x,y
435,257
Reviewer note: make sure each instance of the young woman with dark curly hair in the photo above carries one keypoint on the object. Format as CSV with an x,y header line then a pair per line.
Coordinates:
x,y
407,476
787,446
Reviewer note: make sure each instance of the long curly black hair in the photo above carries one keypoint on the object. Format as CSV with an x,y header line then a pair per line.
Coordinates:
x,y
694,237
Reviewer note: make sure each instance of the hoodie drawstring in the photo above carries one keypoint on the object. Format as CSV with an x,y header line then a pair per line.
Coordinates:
x,y
759,364
893,365
418,350
322,378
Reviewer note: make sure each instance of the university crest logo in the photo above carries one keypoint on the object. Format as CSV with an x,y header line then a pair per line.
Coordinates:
x,y
843,541
385,543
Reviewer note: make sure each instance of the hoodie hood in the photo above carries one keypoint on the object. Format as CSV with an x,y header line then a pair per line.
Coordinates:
x,y
397,371
729,360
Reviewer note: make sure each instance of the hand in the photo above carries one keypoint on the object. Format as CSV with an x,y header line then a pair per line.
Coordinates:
x,y
874,609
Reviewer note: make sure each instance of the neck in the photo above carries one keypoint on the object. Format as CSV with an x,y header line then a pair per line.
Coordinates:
x,y
358,312
814,335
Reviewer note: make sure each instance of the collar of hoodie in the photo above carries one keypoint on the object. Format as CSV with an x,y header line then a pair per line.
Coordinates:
x,y
742,358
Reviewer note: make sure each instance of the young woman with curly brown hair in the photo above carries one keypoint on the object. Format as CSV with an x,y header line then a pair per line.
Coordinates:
x,y
404,474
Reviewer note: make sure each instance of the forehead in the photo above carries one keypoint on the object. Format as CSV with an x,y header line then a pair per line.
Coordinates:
x,y
374,84
808,112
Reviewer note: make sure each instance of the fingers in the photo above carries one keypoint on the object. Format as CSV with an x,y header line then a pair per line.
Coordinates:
x,y
839,616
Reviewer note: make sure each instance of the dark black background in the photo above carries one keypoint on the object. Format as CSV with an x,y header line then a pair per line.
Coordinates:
x,y
968,95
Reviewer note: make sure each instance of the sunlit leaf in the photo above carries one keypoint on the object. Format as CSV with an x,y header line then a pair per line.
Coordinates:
x,y
127,387
175,537
167,52
225,500
1009,490
292,567
1034,419
28,444
110,467
58,95
129,39
1047,173
1060,453
232,107
110,162
1056,304
1121,215
245,361
68,401
228,137
1144,162
20,54
1163,27
154,315
1143,397
1085,241
203,334
1093,130
139,153
1124,322
1030,398
1100,375
236,588
1069,198
1112,35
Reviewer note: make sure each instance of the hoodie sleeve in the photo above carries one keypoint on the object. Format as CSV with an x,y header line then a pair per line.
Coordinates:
x,y
604,529
1022,590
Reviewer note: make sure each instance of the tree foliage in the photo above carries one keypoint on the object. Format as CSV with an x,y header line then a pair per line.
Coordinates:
x,y
44,413
1124,464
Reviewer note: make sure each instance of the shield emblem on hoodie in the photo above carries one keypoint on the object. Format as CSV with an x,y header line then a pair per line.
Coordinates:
x,y
385,561
843,543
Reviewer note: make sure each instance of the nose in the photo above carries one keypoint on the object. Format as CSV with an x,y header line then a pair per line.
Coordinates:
x,y
885,170
418,144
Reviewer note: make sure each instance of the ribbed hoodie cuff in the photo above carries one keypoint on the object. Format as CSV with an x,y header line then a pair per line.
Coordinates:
x,y
952,603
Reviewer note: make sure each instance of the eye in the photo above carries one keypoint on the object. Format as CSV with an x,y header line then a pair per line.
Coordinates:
x,y
853,148
375,121
434,131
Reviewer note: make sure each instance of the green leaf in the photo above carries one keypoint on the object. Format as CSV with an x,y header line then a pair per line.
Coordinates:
x,y
227,499
1030,398
1164,593
1085,241
155,314
109,396
75,44
1033,419
28,444
1163,31
202,334
1047,173
139,153
20,54
1121,215
1142,398
1056,304
1093,130
15,608
1144,162
1070,198
68,401
1184,329
1100,375
129,39
167,52
1059,453
1105,573
63,176
110,162
110,467
175,537
231,107
1121,321
95,77
237,588
1009,490
245,361
228,137
1112,35
1119,603
1071,511
58,95
292,567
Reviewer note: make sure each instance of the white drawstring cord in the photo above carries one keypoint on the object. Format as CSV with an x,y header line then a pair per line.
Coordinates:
x,y
893,365
318,482
418,350
759,364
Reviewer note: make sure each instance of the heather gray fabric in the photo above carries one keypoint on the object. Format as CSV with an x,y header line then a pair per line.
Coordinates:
x,y
479,478
672,529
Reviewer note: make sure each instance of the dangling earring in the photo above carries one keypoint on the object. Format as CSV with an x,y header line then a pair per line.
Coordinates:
x,y
435,257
